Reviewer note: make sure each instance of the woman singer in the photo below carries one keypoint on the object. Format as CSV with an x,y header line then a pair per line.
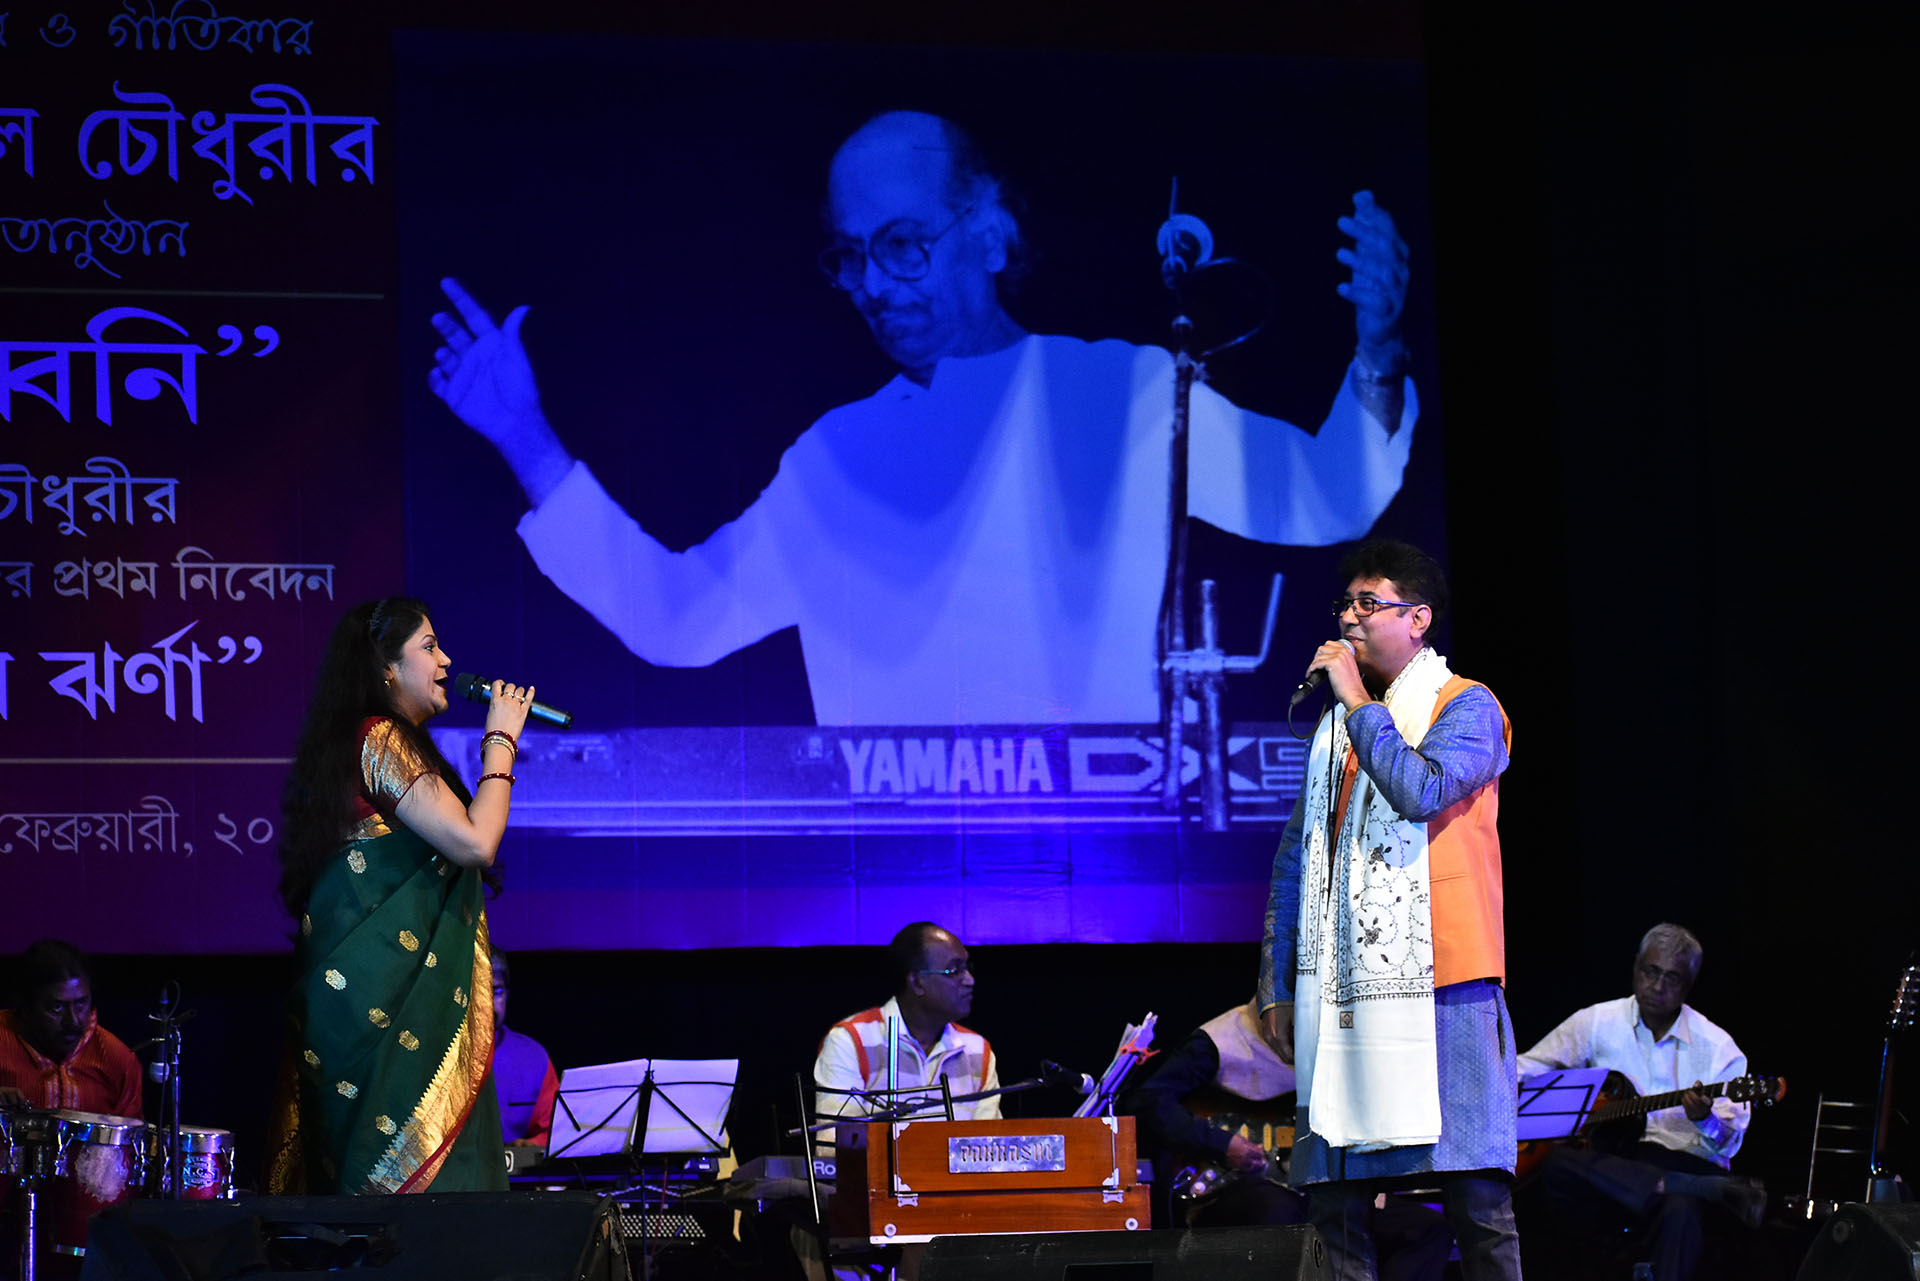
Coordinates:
x,y
385,858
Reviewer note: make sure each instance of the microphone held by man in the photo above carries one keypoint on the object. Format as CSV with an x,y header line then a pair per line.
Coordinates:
x,y
480,691
1316,677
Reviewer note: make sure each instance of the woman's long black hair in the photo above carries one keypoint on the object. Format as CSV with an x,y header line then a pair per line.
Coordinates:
x,y
317,805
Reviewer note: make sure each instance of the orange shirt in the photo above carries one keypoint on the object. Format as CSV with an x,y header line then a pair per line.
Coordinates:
x,y
101,1075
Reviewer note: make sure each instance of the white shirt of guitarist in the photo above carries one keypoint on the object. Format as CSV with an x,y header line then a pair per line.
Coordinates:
x,y
1611,1035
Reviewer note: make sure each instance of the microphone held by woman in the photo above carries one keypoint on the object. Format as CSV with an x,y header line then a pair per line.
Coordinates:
x,y
479,691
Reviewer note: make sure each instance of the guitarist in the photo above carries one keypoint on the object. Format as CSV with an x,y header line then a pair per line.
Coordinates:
x,y
1675,1178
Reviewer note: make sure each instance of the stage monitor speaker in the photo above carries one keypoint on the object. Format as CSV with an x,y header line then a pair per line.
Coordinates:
x,y
1191,1254
1867,1243
477,1236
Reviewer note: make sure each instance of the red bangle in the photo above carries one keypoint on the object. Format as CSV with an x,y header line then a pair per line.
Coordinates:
x,y
511,780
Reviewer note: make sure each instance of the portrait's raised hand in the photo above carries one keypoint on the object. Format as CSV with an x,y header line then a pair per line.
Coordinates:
x,y
482,372
1378,287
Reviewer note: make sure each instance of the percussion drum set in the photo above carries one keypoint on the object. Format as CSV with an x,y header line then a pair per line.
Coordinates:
x,y
60,1168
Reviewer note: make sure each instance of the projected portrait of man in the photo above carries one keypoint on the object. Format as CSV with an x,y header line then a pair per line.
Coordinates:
x,y
983,540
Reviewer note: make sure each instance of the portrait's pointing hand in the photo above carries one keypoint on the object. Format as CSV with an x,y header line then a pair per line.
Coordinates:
x,y
482,371
483,374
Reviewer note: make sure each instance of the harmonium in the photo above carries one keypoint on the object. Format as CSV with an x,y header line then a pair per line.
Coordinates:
x,y
904,1181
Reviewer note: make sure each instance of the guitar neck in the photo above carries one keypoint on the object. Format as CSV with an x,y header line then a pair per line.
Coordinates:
x,y
1643,1104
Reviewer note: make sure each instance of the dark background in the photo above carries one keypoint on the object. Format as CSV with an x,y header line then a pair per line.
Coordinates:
x,y
1672,282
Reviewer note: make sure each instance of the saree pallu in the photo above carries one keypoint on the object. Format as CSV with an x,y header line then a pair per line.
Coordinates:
x,y
387,1083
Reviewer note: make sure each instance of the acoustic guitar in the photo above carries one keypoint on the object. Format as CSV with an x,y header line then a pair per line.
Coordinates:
x,y
1618,1120
1881,1182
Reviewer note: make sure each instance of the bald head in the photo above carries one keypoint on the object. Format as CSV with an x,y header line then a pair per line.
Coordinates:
x,y
934,977
923,150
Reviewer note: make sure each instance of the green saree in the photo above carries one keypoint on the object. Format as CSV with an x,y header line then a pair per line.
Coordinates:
x,y
388,1085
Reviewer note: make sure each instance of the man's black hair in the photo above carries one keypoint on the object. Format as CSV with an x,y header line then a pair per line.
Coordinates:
x,y
47,963
907,953
1417,575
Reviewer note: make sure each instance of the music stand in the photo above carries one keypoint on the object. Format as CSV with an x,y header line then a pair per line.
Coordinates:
x,y
1554,1105
1134,1043
697,1094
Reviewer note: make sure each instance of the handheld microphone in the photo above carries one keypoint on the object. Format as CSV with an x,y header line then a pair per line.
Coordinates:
x,y
479,691
1315,679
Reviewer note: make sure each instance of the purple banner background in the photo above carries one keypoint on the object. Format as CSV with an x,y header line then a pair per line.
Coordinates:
x,y
282,452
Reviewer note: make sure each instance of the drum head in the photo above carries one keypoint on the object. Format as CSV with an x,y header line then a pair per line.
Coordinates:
x,y
199,1138
100,1127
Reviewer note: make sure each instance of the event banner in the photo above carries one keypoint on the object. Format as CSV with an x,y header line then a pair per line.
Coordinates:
x,y
921,472
198,449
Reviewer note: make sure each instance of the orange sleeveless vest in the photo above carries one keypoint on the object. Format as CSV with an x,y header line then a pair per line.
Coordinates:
x,y
1463,869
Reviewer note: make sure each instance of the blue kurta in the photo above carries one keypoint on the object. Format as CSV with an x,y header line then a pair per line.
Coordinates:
x,y
1463,750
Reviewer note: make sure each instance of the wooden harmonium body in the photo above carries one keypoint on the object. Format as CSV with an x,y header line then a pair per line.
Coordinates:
x,y
901,1181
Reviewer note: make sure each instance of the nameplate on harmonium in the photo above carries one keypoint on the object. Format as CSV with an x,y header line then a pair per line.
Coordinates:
x,y
1006,1153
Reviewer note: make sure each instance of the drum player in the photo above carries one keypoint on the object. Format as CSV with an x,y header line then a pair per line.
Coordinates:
x,y
53,1051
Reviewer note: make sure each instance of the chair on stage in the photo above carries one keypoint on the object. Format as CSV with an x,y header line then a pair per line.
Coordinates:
x,y
1837,1156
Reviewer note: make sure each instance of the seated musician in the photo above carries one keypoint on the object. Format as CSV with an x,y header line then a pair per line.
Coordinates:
x,y
523,1075
1675,1179
932,978
932,986
1222,1098
53,1051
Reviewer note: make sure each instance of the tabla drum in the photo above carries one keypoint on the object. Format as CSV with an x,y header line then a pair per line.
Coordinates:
x,y
99,1161
206,1164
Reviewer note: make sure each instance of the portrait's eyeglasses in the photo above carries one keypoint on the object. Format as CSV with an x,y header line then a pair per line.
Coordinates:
x,y
1363,605
899,249
957,967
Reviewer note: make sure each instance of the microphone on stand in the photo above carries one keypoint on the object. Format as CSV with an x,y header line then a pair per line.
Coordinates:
x,y
1185,245
1054,1074
158,1070
479,691
1184,242
1315,679
165,1061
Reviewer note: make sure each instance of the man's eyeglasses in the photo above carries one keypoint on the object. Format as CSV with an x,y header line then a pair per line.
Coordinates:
x,y
1653,976
1363,605
899,249
958,967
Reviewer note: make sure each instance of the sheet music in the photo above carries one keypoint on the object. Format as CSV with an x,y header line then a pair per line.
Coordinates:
x,y
1553,1105
703,1090
1133,1046
595,1109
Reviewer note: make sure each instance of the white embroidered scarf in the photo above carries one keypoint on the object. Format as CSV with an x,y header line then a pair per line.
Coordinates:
x,y
1369,1075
